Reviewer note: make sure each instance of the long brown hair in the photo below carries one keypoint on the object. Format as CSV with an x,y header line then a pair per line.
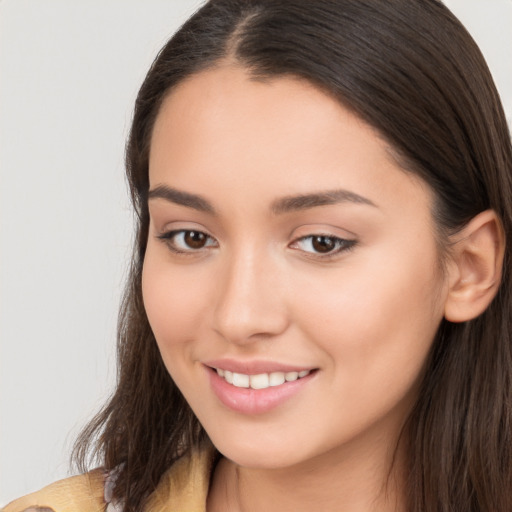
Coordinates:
x,y
409,69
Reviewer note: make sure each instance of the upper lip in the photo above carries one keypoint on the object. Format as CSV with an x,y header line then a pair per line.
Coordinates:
x,y
254,367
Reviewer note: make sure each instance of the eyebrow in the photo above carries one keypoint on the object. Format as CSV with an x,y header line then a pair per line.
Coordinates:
x,y
280,206
326,198
182,198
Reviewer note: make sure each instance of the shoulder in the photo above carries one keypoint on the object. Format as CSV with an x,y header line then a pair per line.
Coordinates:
x,y
83,493
183,487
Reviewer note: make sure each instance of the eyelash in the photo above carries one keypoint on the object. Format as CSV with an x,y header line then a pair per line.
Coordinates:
x,y
340,244
169,239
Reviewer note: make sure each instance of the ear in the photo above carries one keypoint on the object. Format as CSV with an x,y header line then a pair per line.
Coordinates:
x,y
475,267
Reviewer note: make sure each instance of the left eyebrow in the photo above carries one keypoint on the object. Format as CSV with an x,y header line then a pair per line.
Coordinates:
x,y
182,198
324,198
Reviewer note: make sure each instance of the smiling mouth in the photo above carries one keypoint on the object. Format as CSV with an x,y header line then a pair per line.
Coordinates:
x,y
261,380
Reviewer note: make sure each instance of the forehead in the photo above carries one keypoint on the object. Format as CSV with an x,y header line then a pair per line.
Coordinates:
x,y
278,137
227,102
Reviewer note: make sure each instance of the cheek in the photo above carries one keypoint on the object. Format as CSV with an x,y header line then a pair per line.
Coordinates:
x,y
174,304
377,319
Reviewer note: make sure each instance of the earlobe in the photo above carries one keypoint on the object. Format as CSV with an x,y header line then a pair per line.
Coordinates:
x,y
475,267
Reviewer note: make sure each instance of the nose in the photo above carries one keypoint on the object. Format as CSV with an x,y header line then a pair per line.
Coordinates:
x,y
250,301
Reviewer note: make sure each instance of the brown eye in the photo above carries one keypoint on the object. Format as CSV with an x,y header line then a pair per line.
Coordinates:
x,y
187,241
323,244
195,239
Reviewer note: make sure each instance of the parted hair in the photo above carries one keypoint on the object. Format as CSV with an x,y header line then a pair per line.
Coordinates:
x,y
409,69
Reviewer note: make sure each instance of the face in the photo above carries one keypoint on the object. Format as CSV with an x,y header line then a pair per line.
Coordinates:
x,y
292,276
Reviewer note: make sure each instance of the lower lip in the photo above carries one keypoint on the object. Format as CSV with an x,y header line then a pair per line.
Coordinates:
x,y
255,401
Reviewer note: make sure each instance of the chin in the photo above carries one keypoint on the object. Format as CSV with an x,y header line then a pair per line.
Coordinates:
x,y
258,454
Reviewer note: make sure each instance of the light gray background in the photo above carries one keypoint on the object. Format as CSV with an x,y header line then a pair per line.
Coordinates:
x,y
69,72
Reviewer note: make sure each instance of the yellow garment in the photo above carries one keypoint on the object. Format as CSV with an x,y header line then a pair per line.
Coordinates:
x,y
183,488
75,494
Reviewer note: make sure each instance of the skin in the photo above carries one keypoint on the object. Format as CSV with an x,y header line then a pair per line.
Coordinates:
x,y
364,316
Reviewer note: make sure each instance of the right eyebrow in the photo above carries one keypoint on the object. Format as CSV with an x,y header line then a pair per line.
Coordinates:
x,y
182,198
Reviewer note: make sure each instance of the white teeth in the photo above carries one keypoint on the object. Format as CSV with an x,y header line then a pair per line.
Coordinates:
x,y
262,380
276,378
240,380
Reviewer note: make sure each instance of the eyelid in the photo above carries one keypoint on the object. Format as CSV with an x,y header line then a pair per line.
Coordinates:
x,y
343,245
167,237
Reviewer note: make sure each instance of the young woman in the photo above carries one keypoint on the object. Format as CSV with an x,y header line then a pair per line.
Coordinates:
x,y
318,314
